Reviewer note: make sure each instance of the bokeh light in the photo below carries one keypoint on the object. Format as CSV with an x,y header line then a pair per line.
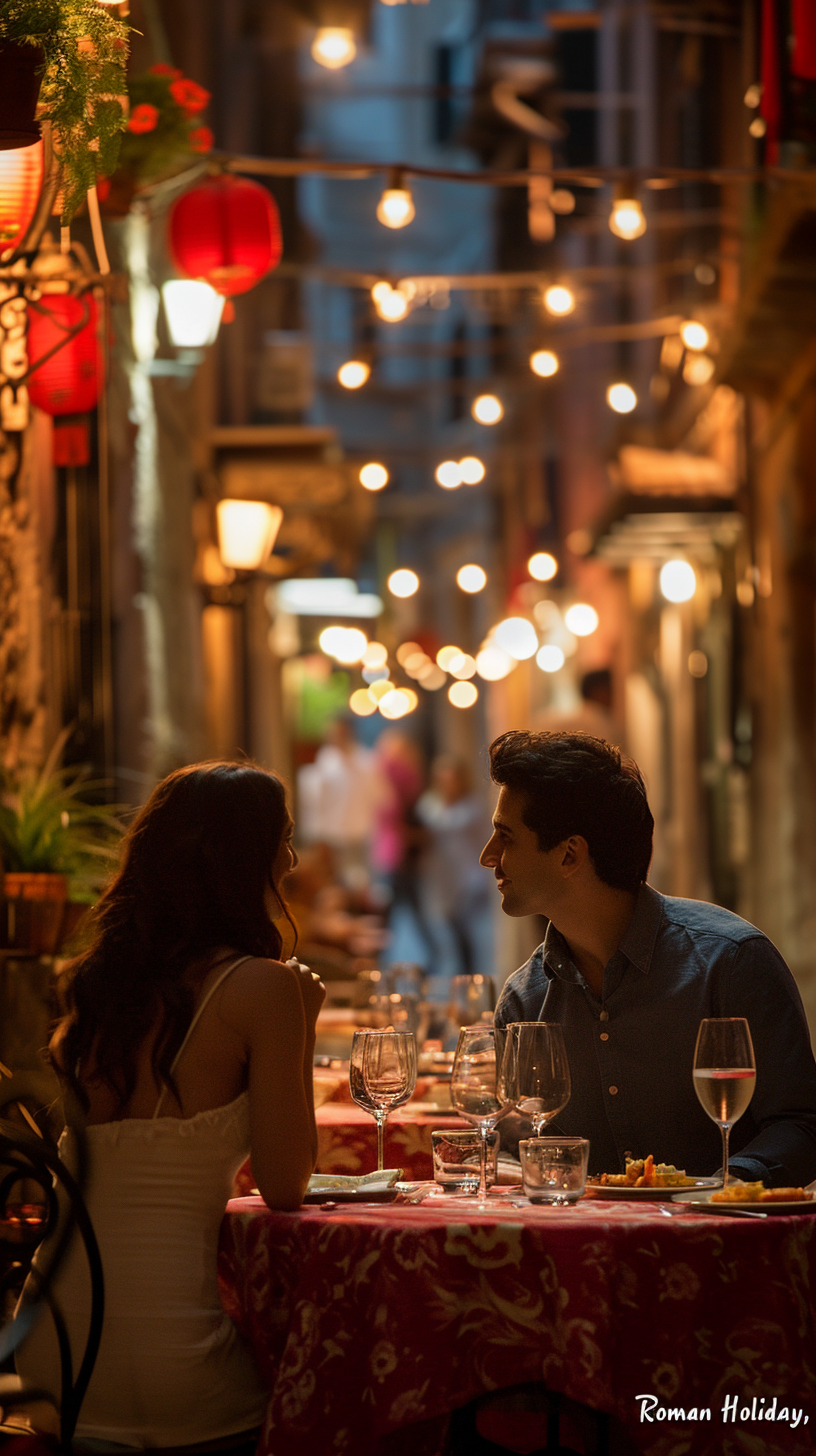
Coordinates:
x,y
403,582
353,374
518,637
487,409
471,469
542,566
581,619
374,476
471,578
621,398
463,694
559,300
544,363
678,581
550,658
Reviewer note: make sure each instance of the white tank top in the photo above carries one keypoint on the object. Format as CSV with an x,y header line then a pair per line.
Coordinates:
x,y
172,1369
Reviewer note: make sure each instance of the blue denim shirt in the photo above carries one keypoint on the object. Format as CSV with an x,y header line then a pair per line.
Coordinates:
x,y
631,1051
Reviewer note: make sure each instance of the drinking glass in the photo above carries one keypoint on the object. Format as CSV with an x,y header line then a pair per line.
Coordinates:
x,y
724,1073
382,1075
478,1090
554,1170
536,1071
471,998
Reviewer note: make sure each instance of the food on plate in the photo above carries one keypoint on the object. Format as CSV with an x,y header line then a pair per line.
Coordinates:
x,y
758,1193
645,1173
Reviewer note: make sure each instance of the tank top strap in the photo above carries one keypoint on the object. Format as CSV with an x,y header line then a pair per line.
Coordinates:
x,y
191,1028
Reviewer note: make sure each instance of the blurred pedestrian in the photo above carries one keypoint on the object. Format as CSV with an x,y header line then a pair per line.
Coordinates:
x,y
339,796
397,845
455,890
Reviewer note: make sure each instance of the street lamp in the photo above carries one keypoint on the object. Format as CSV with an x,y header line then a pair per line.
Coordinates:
x,y
193,311
246,532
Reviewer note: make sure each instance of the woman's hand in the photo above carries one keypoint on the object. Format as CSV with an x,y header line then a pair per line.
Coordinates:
x,y
312,990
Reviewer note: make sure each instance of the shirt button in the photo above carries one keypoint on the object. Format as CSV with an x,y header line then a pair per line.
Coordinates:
x,y
604,1016
613,1091
604,1036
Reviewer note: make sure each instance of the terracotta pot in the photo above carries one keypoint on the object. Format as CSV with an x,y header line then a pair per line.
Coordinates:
x,y
33,911
20,80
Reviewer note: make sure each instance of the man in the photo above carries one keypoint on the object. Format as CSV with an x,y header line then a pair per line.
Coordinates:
x,y
630,973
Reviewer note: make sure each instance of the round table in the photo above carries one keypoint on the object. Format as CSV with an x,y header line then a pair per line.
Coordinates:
x,y
372,1323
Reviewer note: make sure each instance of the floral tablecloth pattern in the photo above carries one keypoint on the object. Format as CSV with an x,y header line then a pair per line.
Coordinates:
x,y
372,1323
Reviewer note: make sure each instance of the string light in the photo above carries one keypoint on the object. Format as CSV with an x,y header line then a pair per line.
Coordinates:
x,y
406,650
621,398
446,655
694,335
403,583
550,658
581,619
518,637
395,208
559,300
392,304
375,655
544,363
698,369
360,703
396,703
344,644
464,667
471,469
374,476
448,475
678,581
333,47
471,578
487,409
493,663
353,374
542,566
626,219
463,694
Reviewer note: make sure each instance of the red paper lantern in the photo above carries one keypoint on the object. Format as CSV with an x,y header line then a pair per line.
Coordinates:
x,y
21,174
68,382
226,231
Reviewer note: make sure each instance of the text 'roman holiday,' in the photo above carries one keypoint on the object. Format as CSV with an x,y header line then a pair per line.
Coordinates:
x,y
759,1409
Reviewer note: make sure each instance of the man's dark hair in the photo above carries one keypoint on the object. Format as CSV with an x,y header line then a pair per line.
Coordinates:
x,y
572,783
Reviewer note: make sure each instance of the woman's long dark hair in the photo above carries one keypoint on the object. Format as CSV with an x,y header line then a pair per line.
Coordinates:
x,y
197,864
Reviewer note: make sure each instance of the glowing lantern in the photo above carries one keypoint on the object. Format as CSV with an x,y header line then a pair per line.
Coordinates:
x,y
227,231
68,382
246,532
21,172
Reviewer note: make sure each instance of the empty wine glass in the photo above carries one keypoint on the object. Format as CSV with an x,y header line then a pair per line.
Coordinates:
x,y
536,1071
724,1073
478,1090
382,1075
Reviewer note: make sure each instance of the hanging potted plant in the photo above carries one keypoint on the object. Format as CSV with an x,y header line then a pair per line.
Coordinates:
x,y
76,50
57,848
164,134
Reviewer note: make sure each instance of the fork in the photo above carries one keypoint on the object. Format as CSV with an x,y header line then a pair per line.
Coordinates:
x,y
670,1209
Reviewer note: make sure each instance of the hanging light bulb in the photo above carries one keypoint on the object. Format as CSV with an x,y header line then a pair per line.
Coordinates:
x,y
392,304
487,409
544,363
471,469
471,578
626,219
542,566
448,475
403,583
374,476
559,300
333,47
395,208
353,374
694,334
678,581
621,398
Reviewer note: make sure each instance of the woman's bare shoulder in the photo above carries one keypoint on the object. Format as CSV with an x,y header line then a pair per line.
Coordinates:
x,y
260,981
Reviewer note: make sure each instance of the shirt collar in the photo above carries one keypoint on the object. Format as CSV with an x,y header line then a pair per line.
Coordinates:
x,y
637,945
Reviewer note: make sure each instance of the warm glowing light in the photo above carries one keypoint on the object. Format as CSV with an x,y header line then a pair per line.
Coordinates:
x,y
471,469
626,219
446,655
698,369
471,578
417,663
333,47
413,698
403,583
694,335
396,703
544,363
621,398
361,704
379,689
518,637
374,674
374,476
375,655
395,208
493,663
678,581
448,475
581,619
487,409
559,300
562,201
246,532
550,658
405,650
353,374
344,644
432,678
193,311
542,566
758,127
463,694
391,303
464,668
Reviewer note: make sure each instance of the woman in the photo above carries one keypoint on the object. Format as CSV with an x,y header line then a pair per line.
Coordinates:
x,y
188,1043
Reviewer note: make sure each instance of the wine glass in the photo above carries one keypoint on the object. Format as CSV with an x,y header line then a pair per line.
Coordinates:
x,y
473,998
478,1090
382,1075
724,1073
536,1071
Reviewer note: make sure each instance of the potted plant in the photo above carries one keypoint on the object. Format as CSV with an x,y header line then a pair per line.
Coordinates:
x,y
78,49
57,848
164,134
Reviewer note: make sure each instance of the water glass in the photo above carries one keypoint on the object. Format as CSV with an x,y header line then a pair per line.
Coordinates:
x,y
554,1170
456,1160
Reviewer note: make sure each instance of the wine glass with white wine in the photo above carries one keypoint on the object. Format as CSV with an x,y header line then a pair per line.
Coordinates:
x,y
724,1073
536,1071
478,1089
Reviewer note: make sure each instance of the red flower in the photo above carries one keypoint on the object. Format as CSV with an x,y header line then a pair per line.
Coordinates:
x,y
143,118
201,140
103,187
190,96
162,70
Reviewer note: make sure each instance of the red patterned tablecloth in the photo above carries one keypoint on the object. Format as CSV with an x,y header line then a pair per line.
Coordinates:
x,y
371,1324
347,1142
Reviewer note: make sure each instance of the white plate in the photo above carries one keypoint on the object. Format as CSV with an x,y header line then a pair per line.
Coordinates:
x,y
649,1195
703,1202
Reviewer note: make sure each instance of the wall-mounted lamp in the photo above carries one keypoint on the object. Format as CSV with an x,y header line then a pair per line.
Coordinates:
x,y
246,532
193,311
